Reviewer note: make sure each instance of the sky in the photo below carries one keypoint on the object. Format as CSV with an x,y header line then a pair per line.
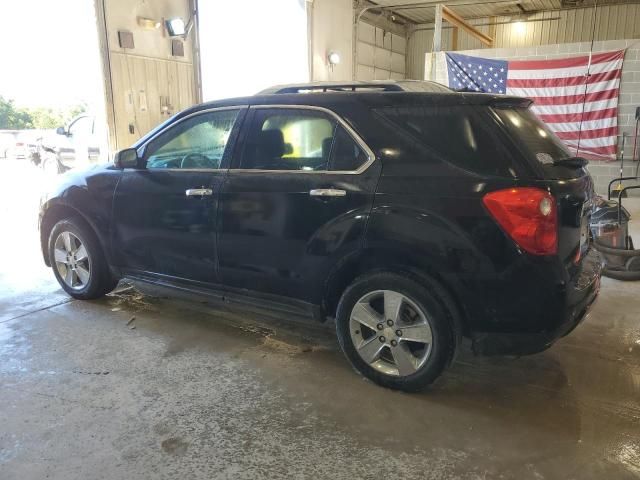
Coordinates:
x,y
52,59
49,54
243,54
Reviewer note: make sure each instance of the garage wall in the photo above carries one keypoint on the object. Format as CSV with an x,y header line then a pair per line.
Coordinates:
x,y
381,54
567,26
146,84
381,45
602,172
331,30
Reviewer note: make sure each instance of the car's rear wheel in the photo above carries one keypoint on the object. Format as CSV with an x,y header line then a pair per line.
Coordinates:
x,y
78,262
396,330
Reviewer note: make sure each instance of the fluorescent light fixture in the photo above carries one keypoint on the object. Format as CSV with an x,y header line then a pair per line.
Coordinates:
x,y
148,23
333,58
175,27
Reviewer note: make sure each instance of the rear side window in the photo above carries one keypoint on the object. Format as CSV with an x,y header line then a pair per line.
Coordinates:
x,y
346,154
282,139
541,143
465,136
299,139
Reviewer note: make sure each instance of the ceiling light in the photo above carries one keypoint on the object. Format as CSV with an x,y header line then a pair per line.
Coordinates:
x,y
148,23
519,27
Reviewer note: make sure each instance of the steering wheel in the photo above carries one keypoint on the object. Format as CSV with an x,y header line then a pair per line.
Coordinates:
x,y
194,160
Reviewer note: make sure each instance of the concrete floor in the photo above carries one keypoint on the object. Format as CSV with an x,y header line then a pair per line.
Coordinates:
x,y
188,391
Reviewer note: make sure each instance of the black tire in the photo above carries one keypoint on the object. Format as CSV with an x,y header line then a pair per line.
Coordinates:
x,y
101,281
438,309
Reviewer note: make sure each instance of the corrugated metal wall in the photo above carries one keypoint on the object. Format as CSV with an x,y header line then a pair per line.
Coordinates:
x,y
381,54
567,26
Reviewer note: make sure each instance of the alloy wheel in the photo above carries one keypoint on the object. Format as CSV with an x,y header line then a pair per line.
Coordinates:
x,y
72,260
391,333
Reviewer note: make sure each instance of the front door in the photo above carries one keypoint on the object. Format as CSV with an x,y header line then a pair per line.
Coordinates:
x,y
164,214
295,200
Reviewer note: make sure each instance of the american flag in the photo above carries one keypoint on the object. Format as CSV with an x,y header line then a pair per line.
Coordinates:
x,y
576,97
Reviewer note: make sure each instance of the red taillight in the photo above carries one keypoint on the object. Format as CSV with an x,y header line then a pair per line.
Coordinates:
x,y
528,215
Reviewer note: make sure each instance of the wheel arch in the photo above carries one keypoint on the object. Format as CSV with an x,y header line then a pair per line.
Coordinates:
x,y
395,261
52,215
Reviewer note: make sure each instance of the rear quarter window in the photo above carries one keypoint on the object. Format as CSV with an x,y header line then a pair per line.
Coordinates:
x,y
468,137
540,146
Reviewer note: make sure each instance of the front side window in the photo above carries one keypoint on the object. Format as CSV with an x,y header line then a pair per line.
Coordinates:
x,y
197,142
82,127
289,139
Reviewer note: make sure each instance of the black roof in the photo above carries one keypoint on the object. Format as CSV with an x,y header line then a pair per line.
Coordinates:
x,y
342,95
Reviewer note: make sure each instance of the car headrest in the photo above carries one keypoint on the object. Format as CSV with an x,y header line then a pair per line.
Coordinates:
x,y
270,144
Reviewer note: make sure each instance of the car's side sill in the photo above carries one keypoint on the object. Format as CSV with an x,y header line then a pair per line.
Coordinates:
x,y
252,300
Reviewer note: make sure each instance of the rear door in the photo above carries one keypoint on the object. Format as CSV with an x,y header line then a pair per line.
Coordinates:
x,y
165,213
295,200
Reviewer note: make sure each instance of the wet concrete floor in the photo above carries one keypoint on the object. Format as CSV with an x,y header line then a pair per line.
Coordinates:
x,y
191,391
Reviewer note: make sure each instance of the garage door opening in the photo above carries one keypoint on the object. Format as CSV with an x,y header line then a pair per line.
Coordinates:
x,y
242,54
50,96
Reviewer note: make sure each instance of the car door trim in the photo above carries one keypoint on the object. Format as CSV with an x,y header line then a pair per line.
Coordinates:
x,y
350,131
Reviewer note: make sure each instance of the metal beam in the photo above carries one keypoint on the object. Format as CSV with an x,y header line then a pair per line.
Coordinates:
x,y
437,31
457,21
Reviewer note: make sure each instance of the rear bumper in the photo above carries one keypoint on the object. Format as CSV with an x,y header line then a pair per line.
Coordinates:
x,y
580,297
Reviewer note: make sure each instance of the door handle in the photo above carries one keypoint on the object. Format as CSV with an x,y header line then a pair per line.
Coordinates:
x,y
327,192
198,192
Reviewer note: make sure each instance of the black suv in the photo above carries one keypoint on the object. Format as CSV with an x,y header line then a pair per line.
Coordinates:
x,y
411,214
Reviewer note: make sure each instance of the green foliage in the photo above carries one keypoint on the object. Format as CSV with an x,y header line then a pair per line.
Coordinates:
x,y
46,118
12,117
76,110
15,118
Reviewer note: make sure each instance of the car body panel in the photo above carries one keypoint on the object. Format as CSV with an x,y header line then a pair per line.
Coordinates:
x,y
90,194
263,232
274,236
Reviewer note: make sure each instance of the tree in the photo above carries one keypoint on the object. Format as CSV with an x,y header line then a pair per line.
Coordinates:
x,y
13,118
76,110
44,118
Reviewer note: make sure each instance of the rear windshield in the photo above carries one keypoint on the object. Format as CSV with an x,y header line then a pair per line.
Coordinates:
x,y
537,142
471,137
463,135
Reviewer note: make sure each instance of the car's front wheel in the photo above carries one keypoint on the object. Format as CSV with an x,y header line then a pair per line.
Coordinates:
x,y
396,330
78,262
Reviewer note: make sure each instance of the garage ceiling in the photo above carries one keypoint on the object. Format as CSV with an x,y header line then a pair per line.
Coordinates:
x,y
423,12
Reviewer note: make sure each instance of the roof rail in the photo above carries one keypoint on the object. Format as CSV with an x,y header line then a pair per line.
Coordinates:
x,y
380,86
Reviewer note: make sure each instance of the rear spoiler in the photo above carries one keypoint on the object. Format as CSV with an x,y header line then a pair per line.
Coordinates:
x,y
500,101
517,102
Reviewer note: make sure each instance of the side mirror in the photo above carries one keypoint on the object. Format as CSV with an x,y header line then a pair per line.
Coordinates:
x,y
127,158
61,131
